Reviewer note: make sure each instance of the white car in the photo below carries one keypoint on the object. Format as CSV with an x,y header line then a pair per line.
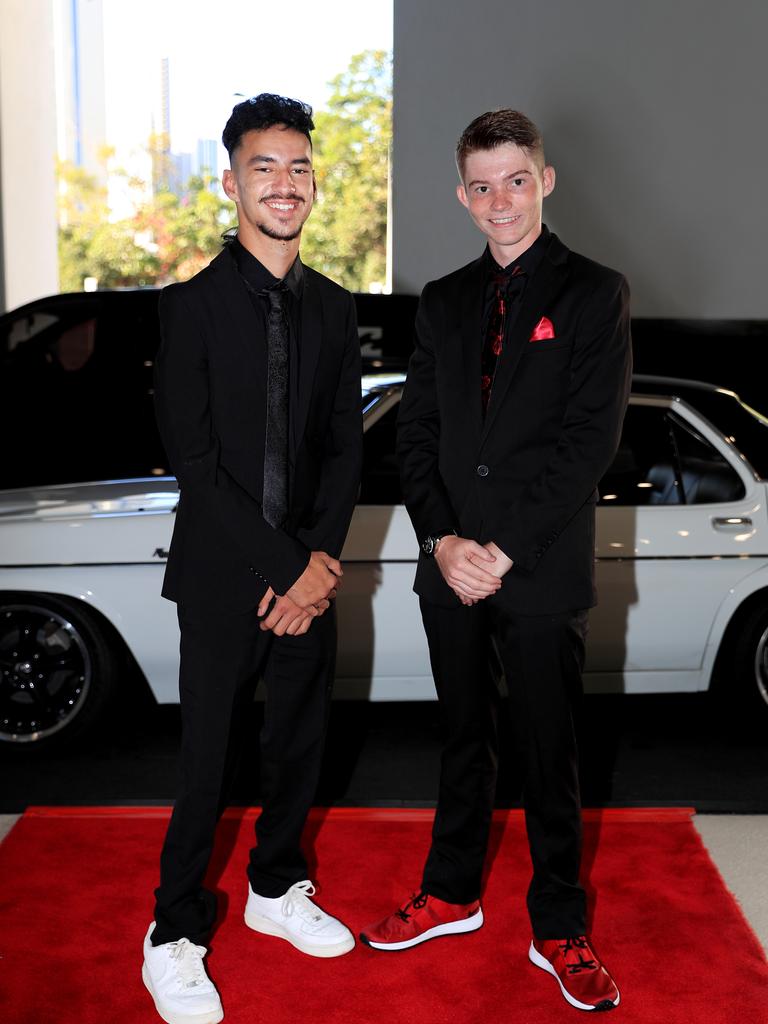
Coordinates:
x,y
682,565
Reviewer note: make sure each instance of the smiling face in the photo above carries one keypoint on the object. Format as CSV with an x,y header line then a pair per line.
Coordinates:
x,y
272,183
503,189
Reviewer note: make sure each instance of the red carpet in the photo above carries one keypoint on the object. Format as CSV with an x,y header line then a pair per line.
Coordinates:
x,y
76,898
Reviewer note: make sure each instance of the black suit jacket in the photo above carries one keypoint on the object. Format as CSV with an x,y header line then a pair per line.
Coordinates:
x,y
525,477
210,398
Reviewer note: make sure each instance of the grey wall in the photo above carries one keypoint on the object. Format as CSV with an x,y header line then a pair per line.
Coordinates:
x,y
654,114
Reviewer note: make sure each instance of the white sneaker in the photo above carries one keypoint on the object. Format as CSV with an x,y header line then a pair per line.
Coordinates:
x,y
297,919
175,975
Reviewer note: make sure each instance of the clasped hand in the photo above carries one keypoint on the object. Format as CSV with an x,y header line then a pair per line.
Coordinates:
x,y
310,596
473,571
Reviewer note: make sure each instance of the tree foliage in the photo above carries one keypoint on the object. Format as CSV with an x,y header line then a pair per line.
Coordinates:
x,y
168,237
346,236
89,244
172,236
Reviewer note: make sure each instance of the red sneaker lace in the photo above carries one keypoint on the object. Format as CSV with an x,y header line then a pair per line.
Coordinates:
x,y
577,946
416,901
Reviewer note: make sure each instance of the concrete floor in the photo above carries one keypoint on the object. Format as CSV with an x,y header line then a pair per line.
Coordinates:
x,y
736,843
7,822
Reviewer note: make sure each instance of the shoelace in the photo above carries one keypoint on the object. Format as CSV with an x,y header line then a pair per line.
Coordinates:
x,y
296,901
417,901
577,946
189,962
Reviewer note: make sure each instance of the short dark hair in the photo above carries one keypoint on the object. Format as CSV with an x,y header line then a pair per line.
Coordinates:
x,y
495,128
265,111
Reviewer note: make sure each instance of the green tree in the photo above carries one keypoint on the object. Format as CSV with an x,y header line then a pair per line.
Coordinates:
x,y
346,236
168,238
89,244
185,230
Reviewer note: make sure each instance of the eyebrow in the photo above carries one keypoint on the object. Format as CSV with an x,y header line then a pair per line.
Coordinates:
x,y
260,158
513,174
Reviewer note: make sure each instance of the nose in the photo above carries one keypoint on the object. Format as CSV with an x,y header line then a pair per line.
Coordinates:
x,y
284,180
500,201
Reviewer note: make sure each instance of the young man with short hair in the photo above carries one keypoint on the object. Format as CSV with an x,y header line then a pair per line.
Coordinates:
x,y
511,414
258,404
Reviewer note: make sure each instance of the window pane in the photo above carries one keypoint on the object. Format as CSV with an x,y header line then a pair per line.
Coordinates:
x,y
707,477
643,471
76,394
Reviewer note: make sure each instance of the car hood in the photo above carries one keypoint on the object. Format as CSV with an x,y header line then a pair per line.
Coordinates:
x,y
98,500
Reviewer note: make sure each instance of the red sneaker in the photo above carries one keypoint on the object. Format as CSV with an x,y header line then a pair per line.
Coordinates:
x,y
583,980
423,917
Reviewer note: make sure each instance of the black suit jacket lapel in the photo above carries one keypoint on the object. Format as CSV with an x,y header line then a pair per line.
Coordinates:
x,y
538,294
470,326
239,317
309,353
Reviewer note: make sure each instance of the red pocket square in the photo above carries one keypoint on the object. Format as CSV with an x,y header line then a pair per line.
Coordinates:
x,y
543,331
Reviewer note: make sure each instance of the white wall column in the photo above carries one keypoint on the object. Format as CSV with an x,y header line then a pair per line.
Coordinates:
x,y
27,151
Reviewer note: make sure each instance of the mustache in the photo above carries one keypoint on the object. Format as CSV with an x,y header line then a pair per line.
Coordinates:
x,y
277,196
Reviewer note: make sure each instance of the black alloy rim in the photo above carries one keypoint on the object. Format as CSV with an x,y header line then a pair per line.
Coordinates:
x,y
45,673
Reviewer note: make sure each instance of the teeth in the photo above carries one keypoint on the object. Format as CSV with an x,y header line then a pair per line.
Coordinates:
x,y
281,206
503,220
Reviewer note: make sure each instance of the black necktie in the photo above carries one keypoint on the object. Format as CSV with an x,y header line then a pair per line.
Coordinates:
x,y
275,500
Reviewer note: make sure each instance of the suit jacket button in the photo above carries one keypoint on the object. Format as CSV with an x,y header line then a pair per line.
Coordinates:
x,y
482,470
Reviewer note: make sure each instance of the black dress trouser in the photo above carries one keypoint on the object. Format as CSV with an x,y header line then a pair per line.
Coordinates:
x,y
222,658
543,658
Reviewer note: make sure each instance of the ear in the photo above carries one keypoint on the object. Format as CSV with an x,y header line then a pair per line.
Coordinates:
x,y
461,194
229,184
548,178
314,186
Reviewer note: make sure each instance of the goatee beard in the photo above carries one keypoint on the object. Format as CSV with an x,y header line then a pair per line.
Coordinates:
x,y
271,233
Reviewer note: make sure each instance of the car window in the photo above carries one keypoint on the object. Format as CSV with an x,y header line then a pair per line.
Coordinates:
x,y
663,460
380,483
746,428
643,470
76,393
706,476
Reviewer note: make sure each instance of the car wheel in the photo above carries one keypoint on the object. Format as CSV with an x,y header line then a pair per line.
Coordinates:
x,y
57,674
750,660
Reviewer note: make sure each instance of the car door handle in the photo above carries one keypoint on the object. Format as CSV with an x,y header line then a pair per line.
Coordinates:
x,y
730,522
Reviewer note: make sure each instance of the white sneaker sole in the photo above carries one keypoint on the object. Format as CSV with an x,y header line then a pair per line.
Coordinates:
x,y
467,924
211,1017
269,927
536,958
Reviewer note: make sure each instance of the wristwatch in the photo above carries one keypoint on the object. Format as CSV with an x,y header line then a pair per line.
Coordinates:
x,y
429,544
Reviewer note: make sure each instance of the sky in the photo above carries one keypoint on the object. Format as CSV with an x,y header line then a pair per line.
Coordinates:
x,y
219,49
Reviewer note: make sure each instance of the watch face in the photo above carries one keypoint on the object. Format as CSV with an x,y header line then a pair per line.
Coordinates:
x,y
428,545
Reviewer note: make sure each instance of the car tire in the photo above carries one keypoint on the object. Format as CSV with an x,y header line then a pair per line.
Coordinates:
x,y
750,659
58,674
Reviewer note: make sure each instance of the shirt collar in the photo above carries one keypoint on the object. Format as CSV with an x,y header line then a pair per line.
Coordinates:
x,y
256,274
528,261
